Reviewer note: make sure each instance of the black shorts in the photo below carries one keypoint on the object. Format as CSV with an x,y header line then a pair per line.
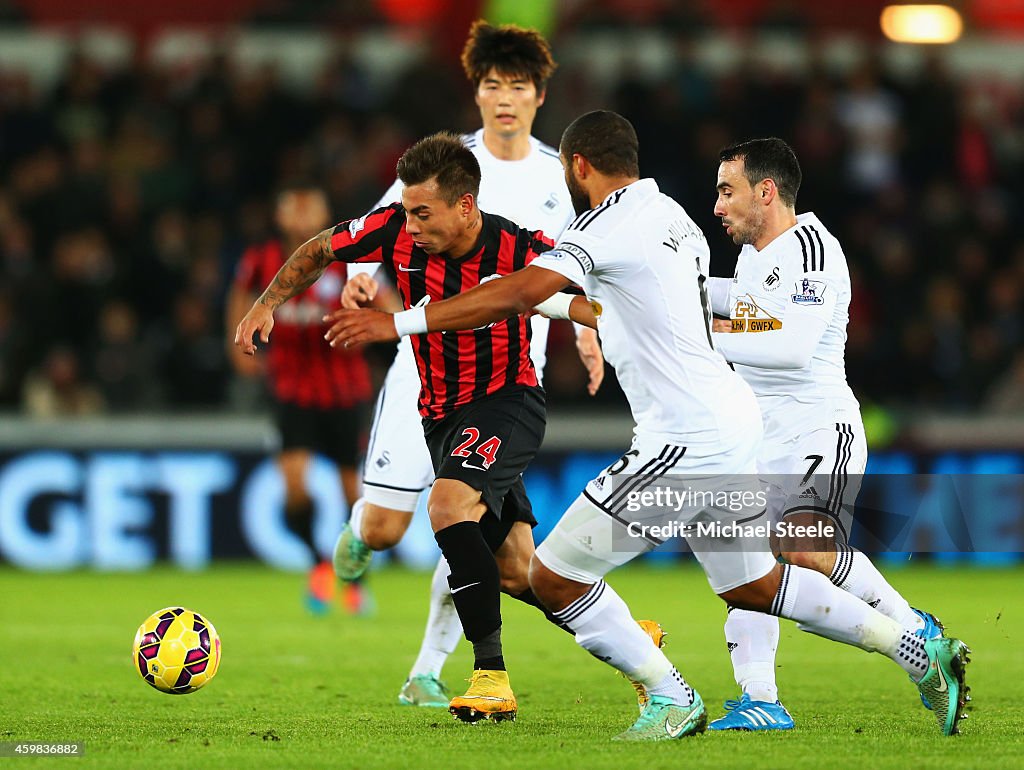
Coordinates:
x,y
338,434
488,444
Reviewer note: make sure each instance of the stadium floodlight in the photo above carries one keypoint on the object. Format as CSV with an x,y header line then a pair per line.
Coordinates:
x,y
921,23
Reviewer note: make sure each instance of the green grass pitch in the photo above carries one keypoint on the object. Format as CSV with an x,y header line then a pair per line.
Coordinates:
x,y
307,692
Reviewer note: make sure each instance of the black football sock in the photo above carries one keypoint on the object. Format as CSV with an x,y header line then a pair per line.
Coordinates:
x,y
487,653
299,519
476,586
528,597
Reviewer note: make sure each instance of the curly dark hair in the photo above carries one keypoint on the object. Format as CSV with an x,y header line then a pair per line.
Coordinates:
x,y
509,49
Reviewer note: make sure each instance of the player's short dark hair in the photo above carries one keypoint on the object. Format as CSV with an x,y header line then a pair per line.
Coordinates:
x,y
607,140
509,49
444,157
769,158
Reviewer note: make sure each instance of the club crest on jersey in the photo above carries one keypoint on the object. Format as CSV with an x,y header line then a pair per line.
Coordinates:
x,y
809,292
356,225
771,283
748,316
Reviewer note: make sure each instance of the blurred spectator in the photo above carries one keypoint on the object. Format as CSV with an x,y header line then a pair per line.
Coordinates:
x,y
56,389
121,362
194,365
1007,394
870,115
128,193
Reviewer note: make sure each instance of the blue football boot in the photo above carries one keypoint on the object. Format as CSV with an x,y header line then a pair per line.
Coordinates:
x,y
747,714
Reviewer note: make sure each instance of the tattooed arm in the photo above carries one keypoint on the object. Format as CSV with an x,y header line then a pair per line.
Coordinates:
x,y
301,271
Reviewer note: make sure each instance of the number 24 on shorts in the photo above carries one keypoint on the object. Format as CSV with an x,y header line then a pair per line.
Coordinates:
x,y
488,450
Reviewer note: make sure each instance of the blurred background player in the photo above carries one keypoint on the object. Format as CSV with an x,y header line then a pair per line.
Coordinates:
x,y
789,305
522,180
321,396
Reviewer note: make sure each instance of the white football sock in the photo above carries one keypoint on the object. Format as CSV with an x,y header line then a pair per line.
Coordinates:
x,y
604,627
753,638
855,573
809,598
355,518
443,631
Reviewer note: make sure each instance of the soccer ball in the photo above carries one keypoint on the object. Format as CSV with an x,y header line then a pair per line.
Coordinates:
x,y
176,650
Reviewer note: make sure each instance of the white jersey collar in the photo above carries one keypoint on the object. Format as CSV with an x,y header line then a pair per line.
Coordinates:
x,y
807,218
645,187
485,150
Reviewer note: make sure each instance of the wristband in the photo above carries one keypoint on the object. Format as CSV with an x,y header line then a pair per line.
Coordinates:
x,y
412,321
556,306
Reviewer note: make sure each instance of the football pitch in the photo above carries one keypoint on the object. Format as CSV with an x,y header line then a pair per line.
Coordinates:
x,y
300,691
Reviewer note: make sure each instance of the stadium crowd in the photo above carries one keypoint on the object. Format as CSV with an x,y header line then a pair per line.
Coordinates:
x,y
127,196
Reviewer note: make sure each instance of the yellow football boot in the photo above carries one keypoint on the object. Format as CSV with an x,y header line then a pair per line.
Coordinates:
x,y
654,630
489,696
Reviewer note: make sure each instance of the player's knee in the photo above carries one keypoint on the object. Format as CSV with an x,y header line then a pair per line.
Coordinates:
x,y
452,503
553,590
515,583
539,579
295,495
443,516
756,595
819,561
382,527
381,532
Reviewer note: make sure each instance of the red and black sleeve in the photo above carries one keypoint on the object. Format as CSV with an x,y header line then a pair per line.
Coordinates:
x,y
370,238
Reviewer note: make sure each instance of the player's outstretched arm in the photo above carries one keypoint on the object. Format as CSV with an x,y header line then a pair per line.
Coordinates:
x,y
791,347
300,272
236,304
490,302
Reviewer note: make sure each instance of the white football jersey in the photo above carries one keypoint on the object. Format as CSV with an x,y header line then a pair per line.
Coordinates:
x,y
531,192
640,257
803,267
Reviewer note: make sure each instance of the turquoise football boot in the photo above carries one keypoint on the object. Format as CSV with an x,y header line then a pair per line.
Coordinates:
x,y
663,720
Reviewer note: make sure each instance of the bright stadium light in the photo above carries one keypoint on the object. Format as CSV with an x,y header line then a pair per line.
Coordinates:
x,y
921,23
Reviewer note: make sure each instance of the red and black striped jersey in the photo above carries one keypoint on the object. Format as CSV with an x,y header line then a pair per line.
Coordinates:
x,y
455,368
303,369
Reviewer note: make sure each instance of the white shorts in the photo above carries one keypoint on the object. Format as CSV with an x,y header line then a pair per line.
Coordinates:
x,y
817,469
398,466
608,525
